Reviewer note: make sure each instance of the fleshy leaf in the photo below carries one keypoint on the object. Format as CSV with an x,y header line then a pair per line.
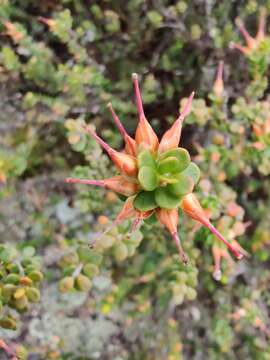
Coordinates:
x,y
193,171
148,178
169,165
145,201
151,219
145,158
184,186
165,199
181,154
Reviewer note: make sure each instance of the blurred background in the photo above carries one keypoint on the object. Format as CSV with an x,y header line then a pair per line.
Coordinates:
x,y
61,62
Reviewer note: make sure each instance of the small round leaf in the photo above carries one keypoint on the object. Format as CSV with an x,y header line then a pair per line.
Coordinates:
x,y
181,154
169,165
165,199
145,158
193,171
148,178
145,201
184,186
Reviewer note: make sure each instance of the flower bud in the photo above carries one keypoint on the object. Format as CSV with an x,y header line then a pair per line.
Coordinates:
x,y
169,218
251,43
125,163
127,212
49,22
131,146
261,26
26,281
258,131
145,135
192,207
171,138
218,87
117,183
13,32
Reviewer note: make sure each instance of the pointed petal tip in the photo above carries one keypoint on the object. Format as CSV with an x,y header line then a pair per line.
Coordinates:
x,y
238,21
242,253
187,107
134,76
109,105
185,259
217,275
181,252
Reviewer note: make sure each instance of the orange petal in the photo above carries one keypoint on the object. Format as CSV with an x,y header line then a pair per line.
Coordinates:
x,y
125,163
218,87
244,49
251,42
261,27
257,130
192,207
117,183
145,134
127,212
171,138
16,35
131,146
217,260
169,218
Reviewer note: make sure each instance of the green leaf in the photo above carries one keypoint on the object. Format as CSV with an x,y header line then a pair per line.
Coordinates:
x,y
29,251
181,154
145,201
169,165
148,178
193,171
184,185
145,158
88,255
151,219
165,199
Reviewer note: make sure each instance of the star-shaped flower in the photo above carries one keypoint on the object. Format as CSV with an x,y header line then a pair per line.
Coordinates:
x,y
252,43
156,177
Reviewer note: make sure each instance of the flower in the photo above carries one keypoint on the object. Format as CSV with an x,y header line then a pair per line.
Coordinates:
x,y
252,43
218,87
13,31
156,177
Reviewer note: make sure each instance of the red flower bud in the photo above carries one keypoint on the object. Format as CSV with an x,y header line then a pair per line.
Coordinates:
x,y
145,134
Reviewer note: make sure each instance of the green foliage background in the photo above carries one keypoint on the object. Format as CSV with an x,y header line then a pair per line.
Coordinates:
x,y
61,62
